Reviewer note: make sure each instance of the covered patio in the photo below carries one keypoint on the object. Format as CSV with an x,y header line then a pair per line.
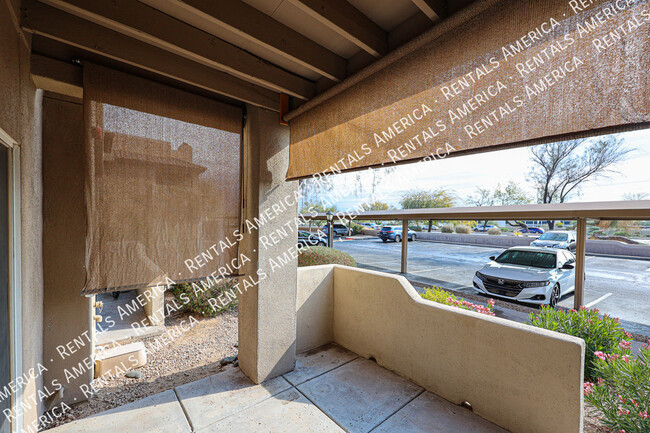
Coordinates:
x,y
148,144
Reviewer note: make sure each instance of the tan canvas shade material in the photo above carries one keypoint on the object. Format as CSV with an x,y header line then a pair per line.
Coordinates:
x,y
524,72
162,182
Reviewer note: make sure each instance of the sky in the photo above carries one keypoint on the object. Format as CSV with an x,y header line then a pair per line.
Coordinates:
x,y
463,174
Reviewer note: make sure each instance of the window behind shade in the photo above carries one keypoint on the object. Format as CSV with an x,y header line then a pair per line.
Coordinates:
x,y
162,181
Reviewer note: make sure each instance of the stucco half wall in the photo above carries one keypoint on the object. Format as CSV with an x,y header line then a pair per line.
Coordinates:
x,y
525,379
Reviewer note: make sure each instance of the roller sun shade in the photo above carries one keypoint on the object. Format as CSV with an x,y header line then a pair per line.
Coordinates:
x,y
162,182
520,72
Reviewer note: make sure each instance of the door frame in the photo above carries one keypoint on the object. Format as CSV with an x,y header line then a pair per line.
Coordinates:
x,y
15,275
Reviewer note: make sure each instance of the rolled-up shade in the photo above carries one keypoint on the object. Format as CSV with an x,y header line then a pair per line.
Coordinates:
x,y
520,72
162,182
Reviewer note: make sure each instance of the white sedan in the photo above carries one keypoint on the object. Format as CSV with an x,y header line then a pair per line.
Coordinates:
x,y
533,275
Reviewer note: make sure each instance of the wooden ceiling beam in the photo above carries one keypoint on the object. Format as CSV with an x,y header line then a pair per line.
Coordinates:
x,y
349,22
56,76
139,21
55,24
434,9
253,25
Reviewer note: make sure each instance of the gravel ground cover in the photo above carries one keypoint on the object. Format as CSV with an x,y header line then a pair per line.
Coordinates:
x,y
192,356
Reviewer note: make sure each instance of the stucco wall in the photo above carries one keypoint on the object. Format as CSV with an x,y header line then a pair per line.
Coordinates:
x,y
315,307
514,375
67,314
20,114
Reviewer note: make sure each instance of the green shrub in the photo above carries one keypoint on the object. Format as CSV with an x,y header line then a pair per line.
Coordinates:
x,y
601,334
313,256
204,297
437,294
621,233
415,228
357,229
496,231
463,229
622,392
446,229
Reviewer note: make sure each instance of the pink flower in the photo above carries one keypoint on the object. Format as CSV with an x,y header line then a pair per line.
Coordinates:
x,y
600,355
626,358
588,388
625,345
622,411
644,414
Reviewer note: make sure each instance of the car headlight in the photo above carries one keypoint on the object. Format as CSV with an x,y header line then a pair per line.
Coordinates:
x,y
480,276
535,284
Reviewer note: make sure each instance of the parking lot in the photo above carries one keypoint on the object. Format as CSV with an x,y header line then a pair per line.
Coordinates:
x,y
619,287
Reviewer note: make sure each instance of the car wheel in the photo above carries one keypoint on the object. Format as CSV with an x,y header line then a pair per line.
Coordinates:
x,y
322,244
555,296
384,240
412,238
398,238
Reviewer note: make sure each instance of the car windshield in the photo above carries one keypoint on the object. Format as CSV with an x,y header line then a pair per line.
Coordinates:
x,y
386,229
536,259
562,237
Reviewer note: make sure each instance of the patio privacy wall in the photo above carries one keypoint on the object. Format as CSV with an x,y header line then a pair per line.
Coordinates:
x,y
520,72
521,378
66,314
163,182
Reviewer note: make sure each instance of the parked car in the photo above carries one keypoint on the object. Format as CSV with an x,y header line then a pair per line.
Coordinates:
x,y
534,230
533,275
371,226
394,233
483,228
563,239
306,239
338,229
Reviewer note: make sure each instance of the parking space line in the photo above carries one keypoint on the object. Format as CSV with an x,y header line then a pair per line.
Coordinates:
x,y
602,298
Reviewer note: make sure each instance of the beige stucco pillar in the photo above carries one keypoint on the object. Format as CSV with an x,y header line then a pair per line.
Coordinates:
x,y
267,311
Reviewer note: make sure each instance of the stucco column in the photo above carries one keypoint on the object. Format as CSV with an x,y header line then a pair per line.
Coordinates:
x,y
267,310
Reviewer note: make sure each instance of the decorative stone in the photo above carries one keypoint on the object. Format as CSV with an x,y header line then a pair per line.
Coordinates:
x,y
135,374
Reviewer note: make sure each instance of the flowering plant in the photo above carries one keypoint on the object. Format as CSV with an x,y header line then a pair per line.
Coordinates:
x,y
601,334
622,390
436,294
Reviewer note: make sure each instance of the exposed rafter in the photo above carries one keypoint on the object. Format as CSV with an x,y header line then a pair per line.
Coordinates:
x,y
249,23
52,23
147,24
349,22
56,76
434,9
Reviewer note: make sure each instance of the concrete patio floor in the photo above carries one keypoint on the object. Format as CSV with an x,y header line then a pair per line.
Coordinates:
x,y
331,390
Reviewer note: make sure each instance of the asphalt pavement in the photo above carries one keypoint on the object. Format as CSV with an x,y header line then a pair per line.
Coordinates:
x,y
618,287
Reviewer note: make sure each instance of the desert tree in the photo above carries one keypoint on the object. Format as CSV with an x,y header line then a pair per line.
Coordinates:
x,y
560,169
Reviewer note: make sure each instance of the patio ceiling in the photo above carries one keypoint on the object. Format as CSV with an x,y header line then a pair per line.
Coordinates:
x,y
245,51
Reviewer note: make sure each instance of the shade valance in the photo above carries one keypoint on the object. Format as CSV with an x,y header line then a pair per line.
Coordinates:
x,y
521,72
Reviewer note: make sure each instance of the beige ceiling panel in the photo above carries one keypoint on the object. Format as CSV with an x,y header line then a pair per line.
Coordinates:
x,y
388,14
